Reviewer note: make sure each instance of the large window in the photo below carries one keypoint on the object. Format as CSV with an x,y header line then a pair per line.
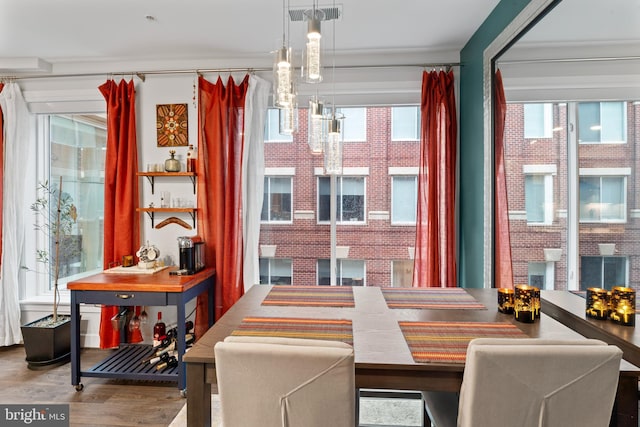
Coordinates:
x,y
275,271
405,123
350,198
404,194
349,272
76,146
276,205
602,122
572,197
603,199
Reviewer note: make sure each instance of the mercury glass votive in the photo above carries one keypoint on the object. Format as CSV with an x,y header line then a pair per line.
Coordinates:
x,y
623,307
597,303
505,300
525,303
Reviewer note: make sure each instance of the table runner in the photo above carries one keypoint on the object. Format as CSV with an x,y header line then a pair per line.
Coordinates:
x,y
295,327
310,296
446,342
431,298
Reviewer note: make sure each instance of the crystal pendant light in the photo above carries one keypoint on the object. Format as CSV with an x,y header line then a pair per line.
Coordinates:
x,y
288,116
317,126
312,70
282,71
333,146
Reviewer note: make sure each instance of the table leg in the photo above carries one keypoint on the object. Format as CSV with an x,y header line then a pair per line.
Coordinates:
x,y
625,408
198,396
181,344
75,342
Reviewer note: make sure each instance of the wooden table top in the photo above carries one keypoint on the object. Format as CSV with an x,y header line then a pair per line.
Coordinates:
x,y
378,340
161,281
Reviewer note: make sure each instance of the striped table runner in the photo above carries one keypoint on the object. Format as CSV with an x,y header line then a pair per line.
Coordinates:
x,y
310,296
432,298
288,327
446,342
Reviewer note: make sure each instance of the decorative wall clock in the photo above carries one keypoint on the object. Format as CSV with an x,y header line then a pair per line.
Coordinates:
x,y
172,125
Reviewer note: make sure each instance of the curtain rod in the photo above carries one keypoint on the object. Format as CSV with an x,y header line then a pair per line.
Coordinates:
x,y
550,60
142,74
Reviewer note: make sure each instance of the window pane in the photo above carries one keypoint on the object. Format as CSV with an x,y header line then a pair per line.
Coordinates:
x,y
405,123
404,195
272,130
276,205
615,272
589,198
352,208
537,120
589,122
354,125
590,272
613,198
537,274
351,272
402,273
613,121
78,146
535,197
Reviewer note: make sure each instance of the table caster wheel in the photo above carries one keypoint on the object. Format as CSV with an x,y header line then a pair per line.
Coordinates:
x,y
183,393
79,387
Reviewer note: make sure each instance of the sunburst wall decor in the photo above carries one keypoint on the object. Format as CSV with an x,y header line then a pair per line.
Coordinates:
x,y
172,125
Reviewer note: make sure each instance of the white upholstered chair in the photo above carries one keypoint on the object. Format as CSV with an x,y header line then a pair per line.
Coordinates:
x,y
531,382
282,382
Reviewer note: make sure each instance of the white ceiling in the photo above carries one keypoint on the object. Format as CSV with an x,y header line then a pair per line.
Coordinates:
x,y
66,31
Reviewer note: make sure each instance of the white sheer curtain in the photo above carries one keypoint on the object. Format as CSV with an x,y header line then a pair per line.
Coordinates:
x,y
253,175
19,138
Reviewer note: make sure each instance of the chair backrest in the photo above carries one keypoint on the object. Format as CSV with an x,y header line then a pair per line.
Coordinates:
x,y
281,382
532,382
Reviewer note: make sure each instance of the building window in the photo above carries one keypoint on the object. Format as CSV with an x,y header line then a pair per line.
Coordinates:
x,y
538,120
602,122
272,128
349,272
76,147
350,195
404,194
537,274
354,125
276,205
275,271
402,273
603,199
603,271
405,123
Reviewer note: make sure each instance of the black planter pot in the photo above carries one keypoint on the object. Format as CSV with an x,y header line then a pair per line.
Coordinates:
x,y
47,345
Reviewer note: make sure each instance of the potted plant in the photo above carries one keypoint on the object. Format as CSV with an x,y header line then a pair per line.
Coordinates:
x,y
47,340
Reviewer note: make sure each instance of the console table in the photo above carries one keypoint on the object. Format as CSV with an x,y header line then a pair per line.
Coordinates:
x,y
158,289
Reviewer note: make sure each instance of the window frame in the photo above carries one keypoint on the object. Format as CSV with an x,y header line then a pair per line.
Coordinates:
x,y
269,137
271,268
403,172
416,136
625,132
548,172
347,173
279,173
622,173
339,272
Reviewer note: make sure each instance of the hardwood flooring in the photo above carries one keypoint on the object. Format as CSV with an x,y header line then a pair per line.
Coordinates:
x,y
103,402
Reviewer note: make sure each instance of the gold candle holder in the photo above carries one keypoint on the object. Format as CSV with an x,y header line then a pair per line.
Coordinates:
x,y
505,300
597,303
525,303
623,306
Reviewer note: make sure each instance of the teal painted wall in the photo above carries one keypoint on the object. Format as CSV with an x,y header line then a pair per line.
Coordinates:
x,y
471,203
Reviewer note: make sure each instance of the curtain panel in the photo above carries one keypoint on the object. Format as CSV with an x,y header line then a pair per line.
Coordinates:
x,y
219,166
1,170
435,249
502,255
19,137
121,221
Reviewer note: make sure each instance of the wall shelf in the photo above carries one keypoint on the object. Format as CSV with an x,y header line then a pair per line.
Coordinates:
x,y
151,176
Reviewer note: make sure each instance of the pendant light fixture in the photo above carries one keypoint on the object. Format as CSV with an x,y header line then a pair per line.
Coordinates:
x,y
317,125
282,71
312,68
288,116
333,140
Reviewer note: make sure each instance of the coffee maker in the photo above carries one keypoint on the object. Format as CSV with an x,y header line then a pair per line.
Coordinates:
x,y
191,254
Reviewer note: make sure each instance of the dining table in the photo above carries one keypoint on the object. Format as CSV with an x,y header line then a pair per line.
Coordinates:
x,y
402,337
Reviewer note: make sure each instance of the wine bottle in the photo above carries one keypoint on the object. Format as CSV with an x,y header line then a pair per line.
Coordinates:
x,y
163,357
159,329
164,341
167,349
171,363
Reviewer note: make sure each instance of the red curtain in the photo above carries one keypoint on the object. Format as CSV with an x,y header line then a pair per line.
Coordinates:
x,y
121,221
1,169
503,267
435,250
219,164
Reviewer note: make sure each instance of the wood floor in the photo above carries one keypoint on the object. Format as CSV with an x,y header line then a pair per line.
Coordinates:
x,y
102,402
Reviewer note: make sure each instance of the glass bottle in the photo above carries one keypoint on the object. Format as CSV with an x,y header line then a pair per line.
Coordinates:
x,y
172,164
191,159
159,329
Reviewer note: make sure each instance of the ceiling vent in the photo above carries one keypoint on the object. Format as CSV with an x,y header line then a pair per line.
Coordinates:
x,y
330,13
